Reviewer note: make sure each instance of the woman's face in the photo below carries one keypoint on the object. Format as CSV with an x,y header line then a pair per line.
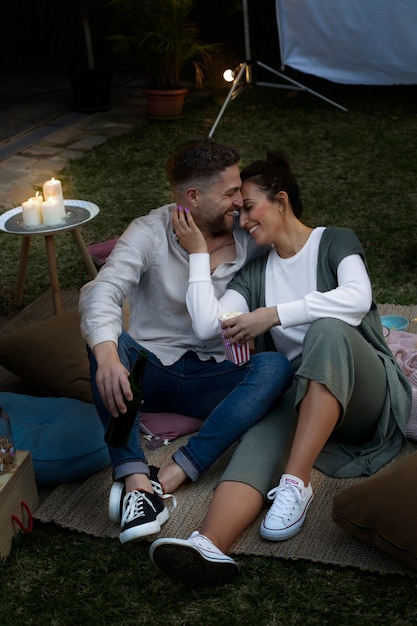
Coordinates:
x,y
259,216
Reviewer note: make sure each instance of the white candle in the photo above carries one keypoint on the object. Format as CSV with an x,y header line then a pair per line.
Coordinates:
x,y
31,211
38,199
51,212
53,189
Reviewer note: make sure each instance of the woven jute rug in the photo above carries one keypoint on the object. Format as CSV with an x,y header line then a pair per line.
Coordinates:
x,y
82,506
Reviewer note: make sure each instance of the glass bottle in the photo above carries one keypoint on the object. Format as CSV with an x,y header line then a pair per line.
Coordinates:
x,y
119,428
7,451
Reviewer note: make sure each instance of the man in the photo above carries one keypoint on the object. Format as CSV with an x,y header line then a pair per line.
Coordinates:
x,y
150,270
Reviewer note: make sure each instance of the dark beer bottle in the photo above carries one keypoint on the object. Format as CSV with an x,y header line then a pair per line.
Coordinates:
x,y
118,429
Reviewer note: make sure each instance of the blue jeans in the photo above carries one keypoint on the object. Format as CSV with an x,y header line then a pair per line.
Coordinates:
x,y
228,399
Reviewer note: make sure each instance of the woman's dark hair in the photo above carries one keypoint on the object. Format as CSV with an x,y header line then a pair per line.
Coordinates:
x,y
272,176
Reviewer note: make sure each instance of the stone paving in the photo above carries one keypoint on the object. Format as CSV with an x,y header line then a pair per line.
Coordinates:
x,y
34,156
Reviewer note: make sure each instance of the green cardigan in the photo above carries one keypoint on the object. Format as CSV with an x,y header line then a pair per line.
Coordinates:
x,y
340,459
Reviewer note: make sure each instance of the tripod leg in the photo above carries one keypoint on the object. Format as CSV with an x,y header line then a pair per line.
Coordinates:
x,y
298,85
235,85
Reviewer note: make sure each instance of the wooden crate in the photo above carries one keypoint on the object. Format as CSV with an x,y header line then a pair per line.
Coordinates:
x,y
17,486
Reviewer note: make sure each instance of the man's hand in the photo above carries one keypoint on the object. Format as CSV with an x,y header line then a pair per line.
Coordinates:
x,y
112,378
189,235
245,327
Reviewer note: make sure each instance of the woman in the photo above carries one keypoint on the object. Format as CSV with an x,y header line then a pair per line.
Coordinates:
x,y
310,298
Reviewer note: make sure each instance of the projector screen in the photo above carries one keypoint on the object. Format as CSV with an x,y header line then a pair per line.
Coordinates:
x,y
369,42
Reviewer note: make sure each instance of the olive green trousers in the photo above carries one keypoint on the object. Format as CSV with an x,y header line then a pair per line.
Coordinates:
x,y
337,356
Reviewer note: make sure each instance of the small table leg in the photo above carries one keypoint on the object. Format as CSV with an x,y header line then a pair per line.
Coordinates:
x,y
91,268
53,273
23,264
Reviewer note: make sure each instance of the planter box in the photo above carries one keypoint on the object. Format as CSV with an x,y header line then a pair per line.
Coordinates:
x,y
16,486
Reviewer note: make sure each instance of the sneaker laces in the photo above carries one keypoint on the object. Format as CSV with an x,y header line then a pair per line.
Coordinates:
x,y
133,506
156,486
283,498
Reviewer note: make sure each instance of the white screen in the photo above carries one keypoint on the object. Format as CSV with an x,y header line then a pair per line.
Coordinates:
x,y
372,42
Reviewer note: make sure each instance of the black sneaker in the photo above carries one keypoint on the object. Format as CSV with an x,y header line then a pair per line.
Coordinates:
x,y
143,514
118,492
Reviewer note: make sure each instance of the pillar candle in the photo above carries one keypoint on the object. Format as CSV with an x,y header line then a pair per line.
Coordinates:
x,y
31,212
38,199
53,189
51,212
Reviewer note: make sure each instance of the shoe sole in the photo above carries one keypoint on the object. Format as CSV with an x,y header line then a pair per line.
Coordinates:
x,y
185,564
285,533
115,497
115,501
143,530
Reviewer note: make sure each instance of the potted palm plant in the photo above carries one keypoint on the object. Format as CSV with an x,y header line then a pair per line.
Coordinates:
x,y
161,38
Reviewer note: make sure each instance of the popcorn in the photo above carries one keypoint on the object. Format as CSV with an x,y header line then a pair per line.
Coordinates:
x,y
228,316
7,454
238,353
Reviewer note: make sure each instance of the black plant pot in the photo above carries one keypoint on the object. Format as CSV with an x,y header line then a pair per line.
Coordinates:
x,y
91,89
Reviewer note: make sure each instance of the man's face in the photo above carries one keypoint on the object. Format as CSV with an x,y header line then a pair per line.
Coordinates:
x,y
215,207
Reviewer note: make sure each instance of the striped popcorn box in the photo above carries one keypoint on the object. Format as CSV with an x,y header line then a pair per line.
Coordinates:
x,y
237,353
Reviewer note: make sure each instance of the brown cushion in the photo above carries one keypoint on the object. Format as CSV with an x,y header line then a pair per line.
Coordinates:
x,y
50,357
382,510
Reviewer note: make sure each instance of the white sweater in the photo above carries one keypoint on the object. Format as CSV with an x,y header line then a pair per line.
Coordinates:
x,y
291,287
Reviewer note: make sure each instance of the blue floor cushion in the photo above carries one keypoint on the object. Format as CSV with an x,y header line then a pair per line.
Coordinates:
x,y
65,436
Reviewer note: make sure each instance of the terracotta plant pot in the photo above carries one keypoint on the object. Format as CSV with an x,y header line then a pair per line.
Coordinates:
x,y
165,103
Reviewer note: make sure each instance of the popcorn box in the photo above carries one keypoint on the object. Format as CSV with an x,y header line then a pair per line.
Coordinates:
x,y
18,499
238,353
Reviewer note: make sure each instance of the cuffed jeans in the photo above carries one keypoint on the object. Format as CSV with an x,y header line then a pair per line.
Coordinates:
x,y
229,399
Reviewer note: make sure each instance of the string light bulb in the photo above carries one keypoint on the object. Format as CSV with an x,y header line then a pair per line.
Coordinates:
x,y
229,75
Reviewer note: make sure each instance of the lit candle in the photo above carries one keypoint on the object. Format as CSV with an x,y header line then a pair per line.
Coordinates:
x,y
53,189
38,199
51,212
31,211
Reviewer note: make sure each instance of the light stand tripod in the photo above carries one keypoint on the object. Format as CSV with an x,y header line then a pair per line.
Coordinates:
x,y
244,76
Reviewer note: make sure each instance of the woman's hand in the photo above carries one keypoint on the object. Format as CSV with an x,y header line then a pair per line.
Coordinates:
x,y
249,325
189,235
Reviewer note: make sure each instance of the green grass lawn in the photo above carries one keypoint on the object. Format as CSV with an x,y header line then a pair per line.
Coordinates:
x,y
59,578
355,169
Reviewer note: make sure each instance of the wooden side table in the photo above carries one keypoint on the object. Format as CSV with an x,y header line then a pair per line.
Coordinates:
x,y
78,212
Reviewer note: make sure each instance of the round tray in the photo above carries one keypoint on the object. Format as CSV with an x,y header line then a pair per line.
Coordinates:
x,y
77,212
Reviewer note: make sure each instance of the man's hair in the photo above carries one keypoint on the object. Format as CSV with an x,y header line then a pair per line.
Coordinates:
x,y
199,160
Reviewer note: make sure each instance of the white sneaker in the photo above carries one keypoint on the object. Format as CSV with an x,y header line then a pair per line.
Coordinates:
x,y
286,516
194,561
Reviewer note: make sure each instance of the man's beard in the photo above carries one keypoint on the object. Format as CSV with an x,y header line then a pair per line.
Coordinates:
x,y
219,226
